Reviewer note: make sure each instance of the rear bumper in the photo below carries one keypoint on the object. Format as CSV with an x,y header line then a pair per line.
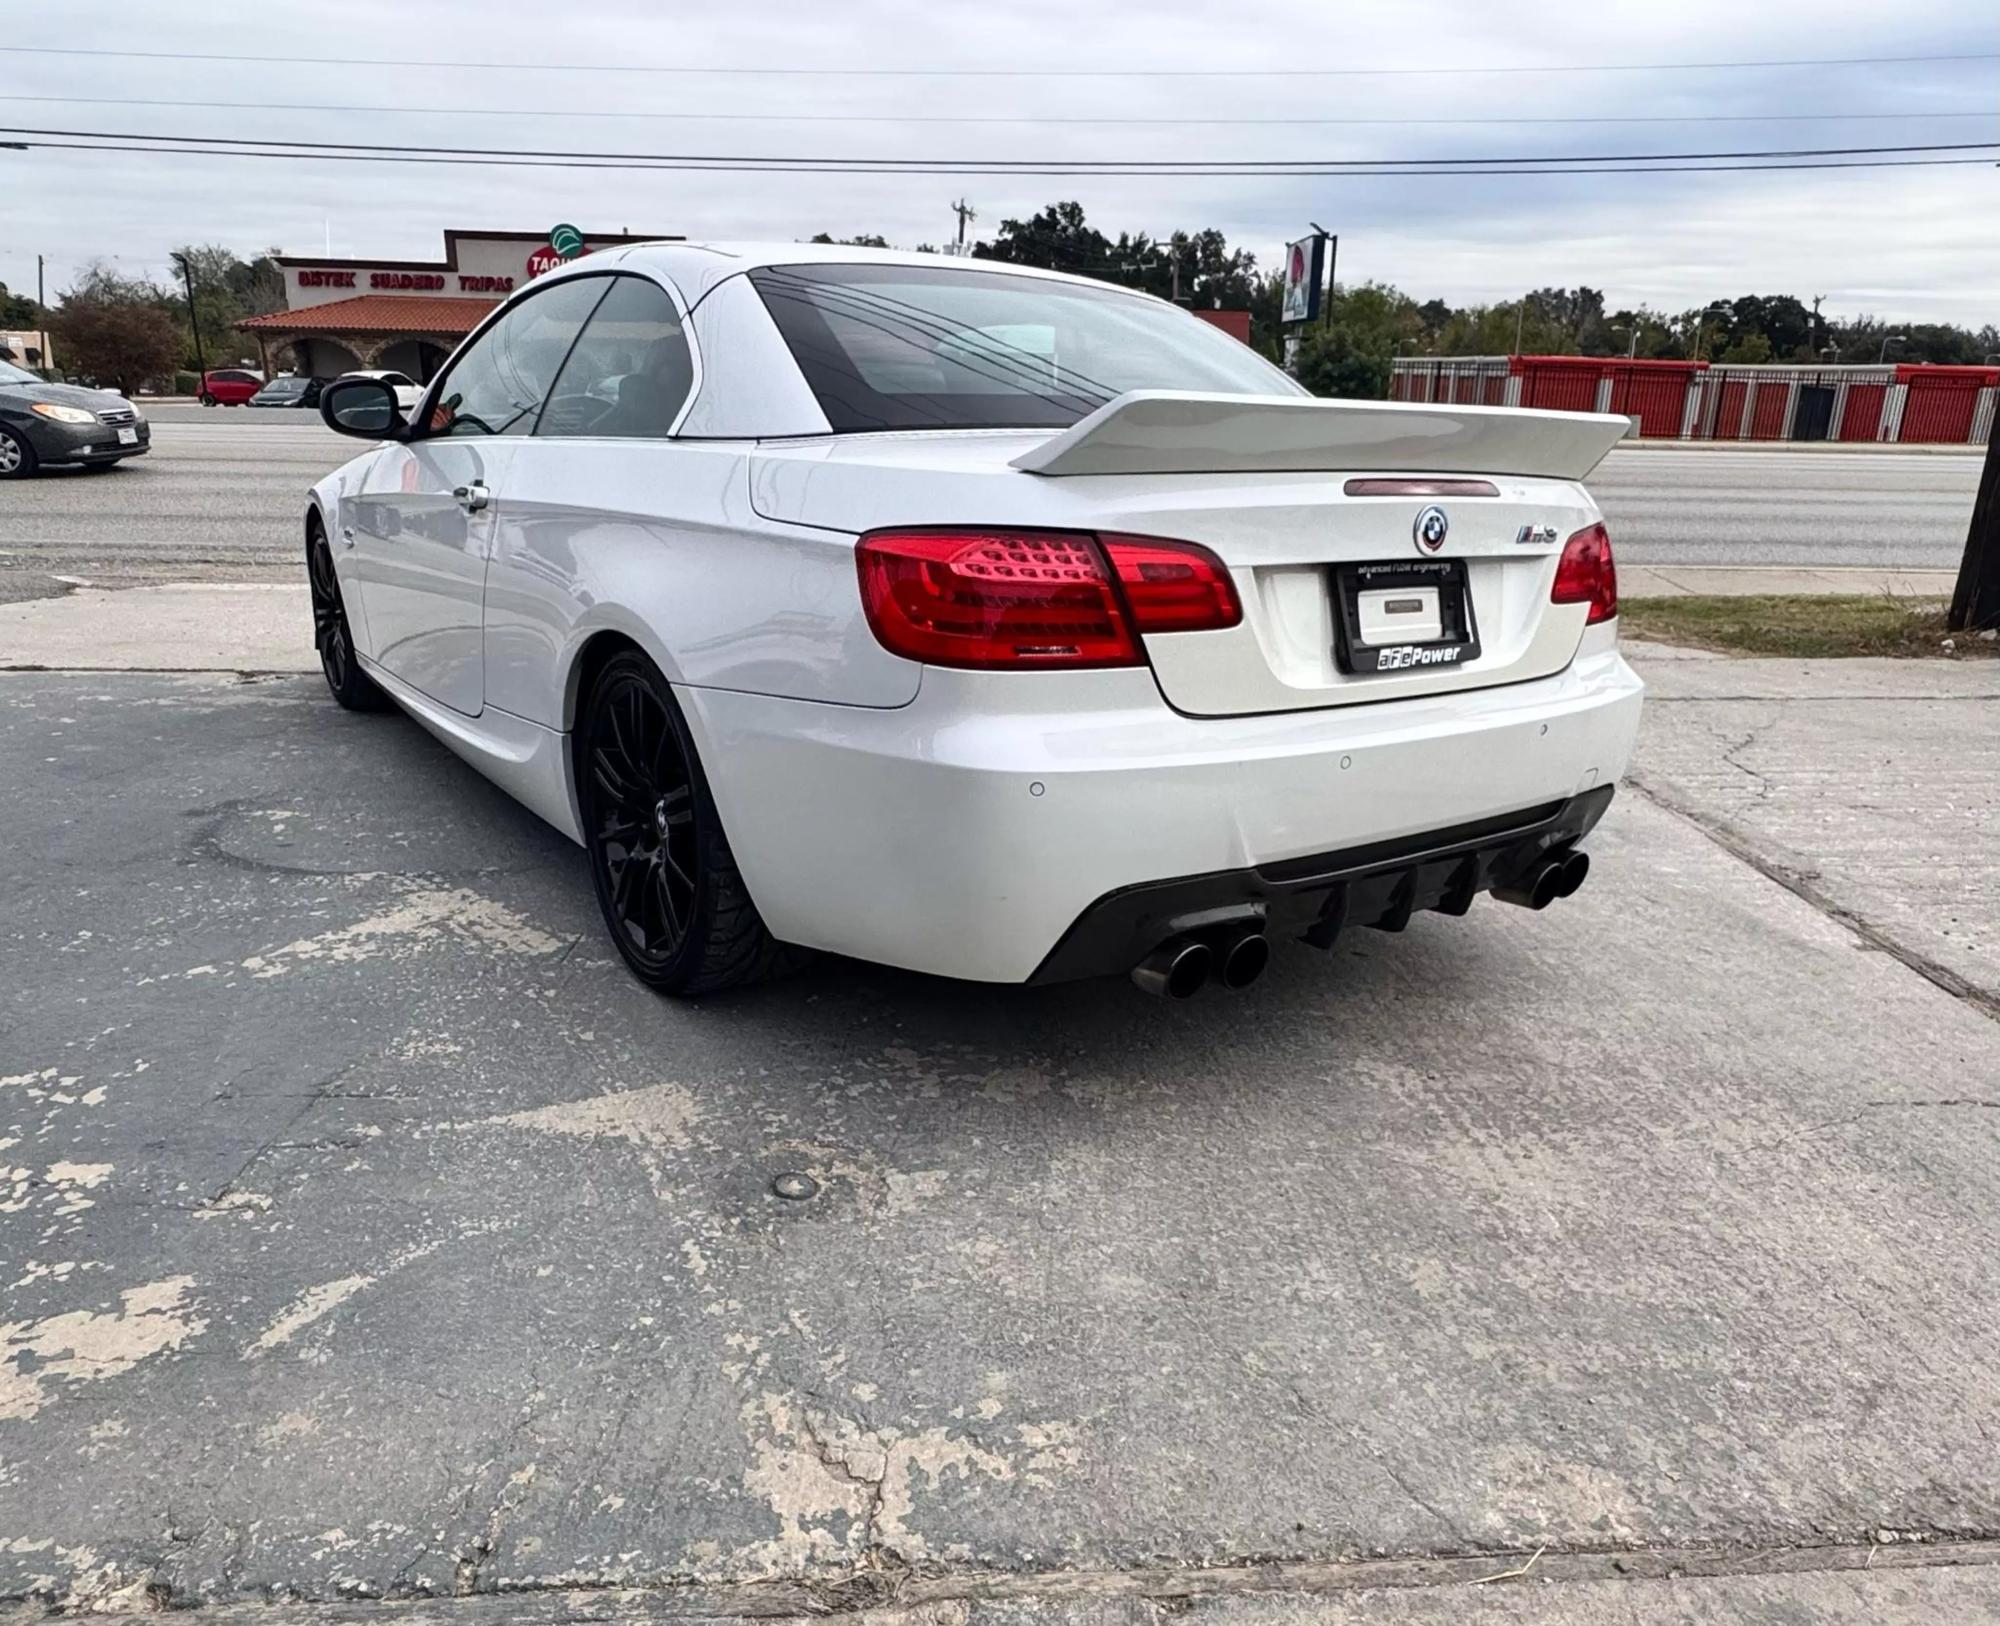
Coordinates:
x,y
976,831
1381,885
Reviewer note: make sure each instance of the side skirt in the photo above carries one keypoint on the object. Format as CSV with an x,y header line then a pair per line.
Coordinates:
x,y
529,762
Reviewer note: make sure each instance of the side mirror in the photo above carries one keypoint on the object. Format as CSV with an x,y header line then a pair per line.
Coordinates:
x,y
362,407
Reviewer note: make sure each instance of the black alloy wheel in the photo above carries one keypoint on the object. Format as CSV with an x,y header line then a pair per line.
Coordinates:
x,y
667,883
351,686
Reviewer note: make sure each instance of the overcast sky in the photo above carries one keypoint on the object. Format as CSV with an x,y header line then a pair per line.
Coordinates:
x,y
1921,244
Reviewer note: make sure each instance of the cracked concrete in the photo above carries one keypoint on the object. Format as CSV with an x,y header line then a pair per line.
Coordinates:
x,y
1656,1233
1872,787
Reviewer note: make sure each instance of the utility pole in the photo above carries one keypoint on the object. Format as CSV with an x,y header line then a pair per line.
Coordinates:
x,y
42,306
194,321
965,212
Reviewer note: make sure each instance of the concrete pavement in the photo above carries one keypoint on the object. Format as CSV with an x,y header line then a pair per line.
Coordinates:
x,y
370,1232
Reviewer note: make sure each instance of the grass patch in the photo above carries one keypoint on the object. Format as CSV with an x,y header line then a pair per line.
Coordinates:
x,y
1809,625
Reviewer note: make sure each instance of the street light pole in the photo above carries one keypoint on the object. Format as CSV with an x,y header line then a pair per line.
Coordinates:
x,y
1887,340
194,321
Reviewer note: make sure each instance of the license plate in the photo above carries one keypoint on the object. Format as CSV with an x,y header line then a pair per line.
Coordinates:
x,y
1403,617
128,437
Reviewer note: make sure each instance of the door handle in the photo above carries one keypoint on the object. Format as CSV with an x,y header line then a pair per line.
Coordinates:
x,y
472,496
347,536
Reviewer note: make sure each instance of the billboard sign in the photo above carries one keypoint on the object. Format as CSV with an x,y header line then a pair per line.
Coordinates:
x,y
1305,269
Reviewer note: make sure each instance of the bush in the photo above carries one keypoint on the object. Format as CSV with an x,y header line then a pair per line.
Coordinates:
x,y
1332,361
186,383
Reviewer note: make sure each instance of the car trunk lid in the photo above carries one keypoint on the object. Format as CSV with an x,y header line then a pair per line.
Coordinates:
x,y
1301,499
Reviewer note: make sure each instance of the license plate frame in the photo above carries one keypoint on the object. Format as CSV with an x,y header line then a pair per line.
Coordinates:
x,y
1356,656
128,437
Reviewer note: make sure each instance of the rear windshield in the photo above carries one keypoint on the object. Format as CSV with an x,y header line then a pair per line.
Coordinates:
x,y
911,347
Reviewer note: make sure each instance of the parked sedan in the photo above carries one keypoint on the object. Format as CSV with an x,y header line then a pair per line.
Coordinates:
x,y
63,423
229,386
975,619
289,390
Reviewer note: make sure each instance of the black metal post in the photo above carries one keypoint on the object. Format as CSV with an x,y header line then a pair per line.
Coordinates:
x,y
1975,603
194,321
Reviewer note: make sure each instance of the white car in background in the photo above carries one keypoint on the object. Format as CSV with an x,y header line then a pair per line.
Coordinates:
x,y
407,389
974,619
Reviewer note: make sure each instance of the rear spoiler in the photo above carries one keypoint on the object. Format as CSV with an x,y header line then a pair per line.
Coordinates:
x,y
1181,432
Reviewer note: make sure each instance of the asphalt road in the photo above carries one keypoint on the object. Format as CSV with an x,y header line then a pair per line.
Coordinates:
x,y
1711,506
219,496
367,1230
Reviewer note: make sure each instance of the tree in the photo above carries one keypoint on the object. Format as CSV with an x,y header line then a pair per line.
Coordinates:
x,y
850,242
1056,237
259,284
1975,601
1336,361
115,329
1353,352
18,310
1752,350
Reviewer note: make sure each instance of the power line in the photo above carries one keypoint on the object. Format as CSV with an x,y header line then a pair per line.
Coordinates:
x,y
993,118
861,165
999,73
946,167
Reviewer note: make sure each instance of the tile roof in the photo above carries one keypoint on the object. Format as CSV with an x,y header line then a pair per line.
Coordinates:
x,y
378,313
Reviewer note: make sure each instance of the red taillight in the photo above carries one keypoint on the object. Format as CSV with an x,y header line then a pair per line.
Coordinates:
x,y
1173,586
1586,575
1018,598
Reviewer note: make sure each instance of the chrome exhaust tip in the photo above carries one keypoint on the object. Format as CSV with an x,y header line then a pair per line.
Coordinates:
x,y
1176,969
1244,959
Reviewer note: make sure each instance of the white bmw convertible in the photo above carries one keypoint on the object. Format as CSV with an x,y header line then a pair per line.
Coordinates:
x,y
974,619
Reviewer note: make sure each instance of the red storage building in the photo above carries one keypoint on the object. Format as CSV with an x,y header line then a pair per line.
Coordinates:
x,y
1942,403
1864,404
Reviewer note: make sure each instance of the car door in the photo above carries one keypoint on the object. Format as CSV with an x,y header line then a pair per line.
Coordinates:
x,y
422,524
602,505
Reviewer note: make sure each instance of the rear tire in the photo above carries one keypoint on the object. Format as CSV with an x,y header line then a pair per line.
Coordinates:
x,y
672,897
332,637
207,399
17,457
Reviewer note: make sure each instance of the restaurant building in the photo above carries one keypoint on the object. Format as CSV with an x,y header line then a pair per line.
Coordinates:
x,y
405,315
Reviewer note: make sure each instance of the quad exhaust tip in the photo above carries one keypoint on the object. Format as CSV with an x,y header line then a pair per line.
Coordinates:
x,y
1180,967
1538,886
1243,961
1176,969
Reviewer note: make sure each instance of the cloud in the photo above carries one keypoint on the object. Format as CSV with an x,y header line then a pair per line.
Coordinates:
x,y
1913,243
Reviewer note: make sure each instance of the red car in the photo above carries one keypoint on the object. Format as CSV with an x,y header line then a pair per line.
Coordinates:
x,y
229,386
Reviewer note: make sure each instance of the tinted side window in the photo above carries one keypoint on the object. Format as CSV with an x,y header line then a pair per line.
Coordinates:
x,y
497,386
629,374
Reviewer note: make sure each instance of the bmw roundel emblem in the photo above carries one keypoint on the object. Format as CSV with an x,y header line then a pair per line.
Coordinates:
x,y
1430,529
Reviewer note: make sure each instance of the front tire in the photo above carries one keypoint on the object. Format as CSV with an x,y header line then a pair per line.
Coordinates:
x,y
17,457
351,686
207,399
667,883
